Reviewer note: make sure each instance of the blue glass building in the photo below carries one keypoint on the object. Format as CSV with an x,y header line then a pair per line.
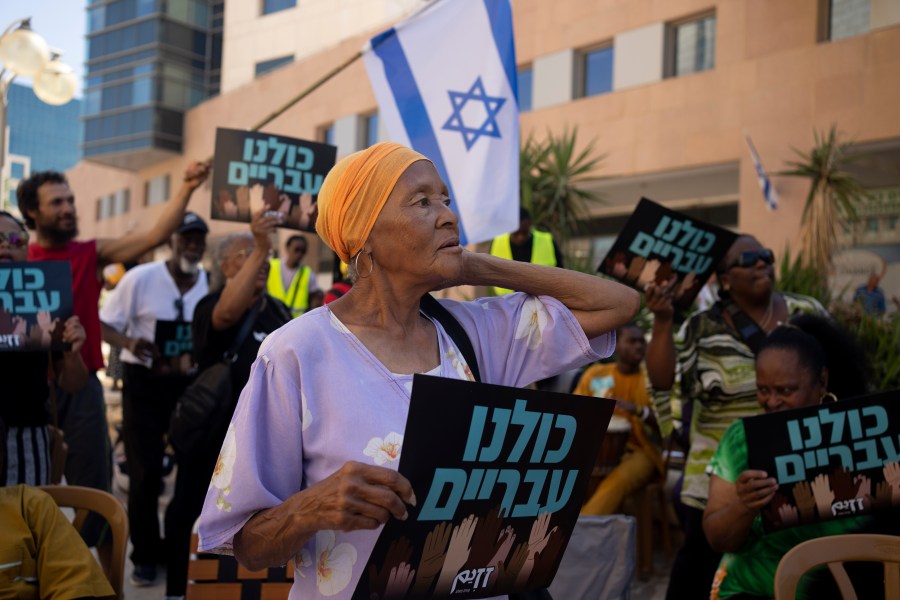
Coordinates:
x,y
41,137
148,61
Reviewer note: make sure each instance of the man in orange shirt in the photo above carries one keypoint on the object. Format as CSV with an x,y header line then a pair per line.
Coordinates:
x,y
626,382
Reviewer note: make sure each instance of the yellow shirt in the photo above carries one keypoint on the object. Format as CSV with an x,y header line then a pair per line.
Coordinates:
x,y
606,381
41,554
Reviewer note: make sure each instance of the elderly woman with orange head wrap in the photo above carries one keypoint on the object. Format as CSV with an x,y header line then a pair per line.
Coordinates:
x,y
308,467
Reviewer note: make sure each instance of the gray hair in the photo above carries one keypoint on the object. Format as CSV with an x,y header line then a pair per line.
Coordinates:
x,y
217,278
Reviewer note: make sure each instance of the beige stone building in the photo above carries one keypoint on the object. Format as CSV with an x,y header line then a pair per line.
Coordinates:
x,y
666,89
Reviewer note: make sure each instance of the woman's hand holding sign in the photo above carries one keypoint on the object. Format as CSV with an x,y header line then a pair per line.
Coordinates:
x,y
755,489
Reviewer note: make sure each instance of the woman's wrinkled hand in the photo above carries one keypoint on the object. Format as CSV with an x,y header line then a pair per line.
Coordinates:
x,y
660,299
358,496
263,225
755,489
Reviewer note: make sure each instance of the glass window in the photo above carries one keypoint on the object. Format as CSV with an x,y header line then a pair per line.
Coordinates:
x,y
143,91
847,18
694,46
525,82
598,66
871,225
156,190
372,129
96,18
270,6
328,134
270,65
16,170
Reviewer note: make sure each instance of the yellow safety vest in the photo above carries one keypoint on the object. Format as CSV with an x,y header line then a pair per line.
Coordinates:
x,y
542,251
296,297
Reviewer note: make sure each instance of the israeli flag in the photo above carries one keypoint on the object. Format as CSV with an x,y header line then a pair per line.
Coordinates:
x,y
765,184
445,80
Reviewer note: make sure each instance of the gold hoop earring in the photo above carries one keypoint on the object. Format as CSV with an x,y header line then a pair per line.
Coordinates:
x,y
829,397
356,265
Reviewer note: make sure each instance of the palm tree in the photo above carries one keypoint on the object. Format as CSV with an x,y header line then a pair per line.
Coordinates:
x,y
551,174
832,198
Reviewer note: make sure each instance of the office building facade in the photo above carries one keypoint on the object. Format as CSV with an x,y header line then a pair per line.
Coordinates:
x,y
666,90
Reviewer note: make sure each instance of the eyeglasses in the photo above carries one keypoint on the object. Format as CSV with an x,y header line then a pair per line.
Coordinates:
x,y
748,259
16,239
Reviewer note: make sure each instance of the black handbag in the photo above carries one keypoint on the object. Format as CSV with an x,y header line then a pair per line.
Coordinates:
x,y
200,411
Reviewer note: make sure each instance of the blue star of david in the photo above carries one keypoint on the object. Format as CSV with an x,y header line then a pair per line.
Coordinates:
x,y
492,106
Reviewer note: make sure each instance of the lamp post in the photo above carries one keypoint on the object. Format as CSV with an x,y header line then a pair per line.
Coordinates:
x,y
24,52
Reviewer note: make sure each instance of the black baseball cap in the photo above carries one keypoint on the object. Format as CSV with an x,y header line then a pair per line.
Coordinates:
x,y
192,222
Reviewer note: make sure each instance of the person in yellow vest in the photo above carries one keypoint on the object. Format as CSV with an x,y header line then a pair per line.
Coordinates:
x,y
626,382
526,245
293,283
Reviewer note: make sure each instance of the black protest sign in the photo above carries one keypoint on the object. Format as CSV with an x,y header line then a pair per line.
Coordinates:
x,y
831,460
35,301
174,345
658,242
254,171
500,475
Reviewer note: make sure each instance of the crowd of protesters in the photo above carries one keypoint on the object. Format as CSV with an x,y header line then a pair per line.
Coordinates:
x,y
693,382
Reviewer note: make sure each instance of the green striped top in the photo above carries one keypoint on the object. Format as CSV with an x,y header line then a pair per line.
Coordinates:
x,y
716,370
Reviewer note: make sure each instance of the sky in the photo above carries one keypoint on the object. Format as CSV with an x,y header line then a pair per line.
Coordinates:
x,y
60,22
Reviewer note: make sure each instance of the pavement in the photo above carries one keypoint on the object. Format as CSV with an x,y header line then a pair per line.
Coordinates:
x,y
649,588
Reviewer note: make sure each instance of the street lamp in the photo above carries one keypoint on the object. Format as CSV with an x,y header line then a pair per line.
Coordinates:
x,y
24,52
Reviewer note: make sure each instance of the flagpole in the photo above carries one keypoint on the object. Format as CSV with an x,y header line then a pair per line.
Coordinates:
x,y
316,85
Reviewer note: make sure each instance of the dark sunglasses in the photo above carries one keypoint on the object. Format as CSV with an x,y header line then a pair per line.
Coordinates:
x,y
16,239
748,259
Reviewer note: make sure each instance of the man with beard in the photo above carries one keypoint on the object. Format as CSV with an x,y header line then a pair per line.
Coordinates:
x,y
159,291
48,207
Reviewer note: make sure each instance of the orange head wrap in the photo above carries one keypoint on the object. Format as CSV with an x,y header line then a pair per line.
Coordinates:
x,y
354,192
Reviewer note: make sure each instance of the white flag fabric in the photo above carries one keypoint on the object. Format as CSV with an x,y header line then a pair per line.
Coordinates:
x,y
445,80
765,184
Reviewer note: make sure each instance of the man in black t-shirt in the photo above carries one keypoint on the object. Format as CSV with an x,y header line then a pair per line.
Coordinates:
x,y
244,261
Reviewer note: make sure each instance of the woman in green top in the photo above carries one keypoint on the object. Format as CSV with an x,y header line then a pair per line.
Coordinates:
x,y
792,371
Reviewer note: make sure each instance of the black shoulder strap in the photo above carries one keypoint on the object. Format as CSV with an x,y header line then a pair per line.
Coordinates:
x,y
431,307
249,320
751,333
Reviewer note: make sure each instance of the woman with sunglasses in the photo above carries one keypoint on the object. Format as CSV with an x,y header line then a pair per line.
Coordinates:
x,y
23,408
715,382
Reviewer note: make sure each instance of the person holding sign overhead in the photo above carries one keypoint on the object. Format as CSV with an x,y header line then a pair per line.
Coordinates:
x,y
23,411
714,350
291,281
148,296
804,363
308,465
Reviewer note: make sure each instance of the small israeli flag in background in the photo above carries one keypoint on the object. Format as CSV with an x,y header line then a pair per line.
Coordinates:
x,y
765,184
445,81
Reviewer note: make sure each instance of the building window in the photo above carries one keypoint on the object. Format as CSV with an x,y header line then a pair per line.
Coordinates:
x,y
113,205
270,65
370,130
524,84
326,134
691,46
846,18
271,6
156,190
871,225
596,71
17,170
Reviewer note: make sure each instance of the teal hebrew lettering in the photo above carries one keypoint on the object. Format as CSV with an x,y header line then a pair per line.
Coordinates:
x,y
845,454
456,479
536,477
566,422
892,453
836,420
707,243
871,449
815,433
689,232
475,477
789,468
854,420
501,424
487,486
476,429
238,173
556,498
510,478
881,419
278,151
543,435
642,244
307,158
526,419
27,278
663,231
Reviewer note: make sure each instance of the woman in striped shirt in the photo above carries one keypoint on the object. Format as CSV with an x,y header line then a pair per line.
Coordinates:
x,y
703,374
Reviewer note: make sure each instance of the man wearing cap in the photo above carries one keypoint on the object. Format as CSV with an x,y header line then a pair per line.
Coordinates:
x,y
48,207
147,294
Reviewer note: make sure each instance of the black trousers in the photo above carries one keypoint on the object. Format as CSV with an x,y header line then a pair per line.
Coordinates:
x,y
695,564
191,484
147,404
